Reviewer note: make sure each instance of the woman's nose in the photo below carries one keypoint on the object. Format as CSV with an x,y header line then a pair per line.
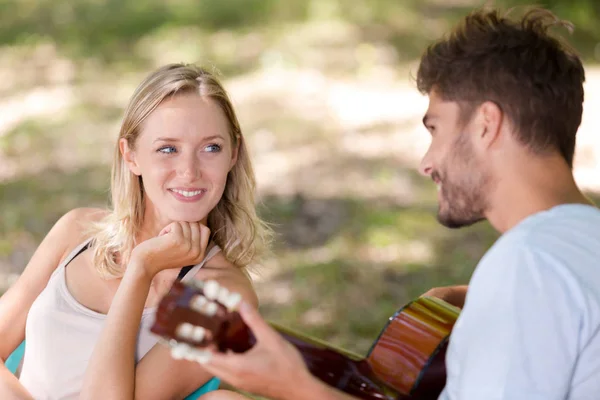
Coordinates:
x,y
189,168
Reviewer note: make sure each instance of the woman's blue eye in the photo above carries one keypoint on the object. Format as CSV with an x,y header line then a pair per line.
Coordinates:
x,y
213,148
167,150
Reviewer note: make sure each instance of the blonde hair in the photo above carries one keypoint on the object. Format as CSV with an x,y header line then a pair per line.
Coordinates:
x,y
234,223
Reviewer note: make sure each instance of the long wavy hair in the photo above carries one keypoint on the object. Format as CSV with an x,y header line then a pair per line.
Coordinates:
x,y
235,226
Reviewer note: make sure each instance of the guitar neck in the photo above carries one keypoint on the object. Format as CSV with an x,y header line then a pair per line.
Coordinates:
x,y
336,367
408,357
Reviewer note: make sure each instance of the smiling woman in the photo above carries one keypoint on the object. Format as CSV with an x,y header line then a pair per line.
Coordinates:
x,y
183,207
182,164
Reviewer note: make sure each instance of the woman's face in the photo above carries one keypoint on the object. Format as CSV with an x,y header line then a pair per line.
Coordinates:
x,y
183,155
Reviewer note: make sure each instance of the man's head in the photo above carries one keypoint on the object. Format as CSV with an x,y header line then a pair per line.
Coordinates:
x,y
495,83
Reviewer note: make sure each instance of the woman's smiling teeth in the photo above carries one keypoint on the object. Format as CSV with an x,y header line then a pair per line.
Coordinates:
x,y
187,193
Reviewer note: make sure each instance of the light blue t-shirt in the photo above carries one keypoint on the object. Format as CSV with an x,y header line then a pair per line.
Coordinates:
x,y
530,327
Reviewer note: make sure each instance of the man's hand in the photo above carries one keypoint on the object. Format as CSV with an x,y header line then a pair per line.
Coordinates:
x,y
272,368
454,295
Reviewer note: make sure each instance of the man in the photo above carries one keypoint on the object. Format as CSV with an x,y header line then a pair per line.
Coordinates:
x,y
505,103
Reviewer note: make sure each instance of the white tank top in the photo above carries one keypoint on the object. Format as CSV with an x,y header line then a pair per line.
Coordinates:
x,y
61,334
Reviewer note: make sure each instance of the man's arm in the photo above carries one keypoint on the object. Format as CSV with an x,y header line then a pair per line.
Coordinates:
x,y
272,368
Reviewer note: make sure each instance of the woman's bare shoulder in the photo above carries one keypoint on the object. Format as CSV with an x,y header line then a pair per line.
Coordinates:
x,y
68,232
76,225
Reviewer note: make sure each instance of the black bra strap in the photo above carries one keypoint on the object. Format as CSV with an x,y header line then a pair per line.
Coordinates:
x,y
183,272
84,248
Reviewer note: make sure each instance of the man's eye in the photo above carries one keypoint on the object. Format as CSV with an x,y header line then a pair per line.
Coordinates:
x,y
167,150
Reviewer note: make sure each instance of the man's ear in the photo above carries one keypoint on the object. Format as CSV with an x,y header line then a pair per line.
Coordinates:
x,y
489,124
235,151
129,157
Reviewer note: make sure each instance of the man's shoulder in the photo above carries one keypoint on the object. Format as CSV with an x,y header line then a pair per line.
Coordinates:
x,y
564,230
559,248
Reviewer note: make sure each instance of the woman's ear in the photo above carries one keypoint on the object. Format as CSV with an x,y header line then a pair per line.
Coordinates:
x,y
129,157
235,151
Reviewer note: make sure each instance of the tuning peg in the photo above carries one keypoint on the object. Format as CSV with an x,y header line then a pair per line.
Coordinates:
x,y
223,295
190,332
202,305
201,356
232,301
211,289
198,302
180,351
210,309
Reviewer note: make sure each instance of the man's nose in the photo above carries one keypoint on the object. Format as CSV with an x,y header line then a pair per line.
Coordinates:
x,y
426,166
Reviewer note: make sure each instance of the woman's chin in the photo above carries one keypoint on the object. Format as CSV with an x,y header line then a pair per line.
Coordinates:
x,y
176,217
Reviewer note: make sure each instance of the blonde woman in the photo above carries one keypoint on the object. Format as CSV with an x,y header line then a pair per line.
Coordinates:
x,y
182,203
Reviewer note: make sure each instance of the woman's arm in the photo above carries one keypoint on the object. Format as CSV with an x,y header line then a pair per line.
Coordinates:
x,y
160,376
112,372
10,387
16,302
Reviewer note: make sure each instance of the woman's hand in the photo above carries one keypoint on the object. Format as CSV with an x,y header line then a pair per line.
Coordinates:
x,y
111,371
179,244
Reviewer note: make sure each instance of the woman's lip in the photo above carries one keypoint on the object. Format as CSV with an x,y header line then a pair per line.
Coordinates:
x,y
190,196
187,189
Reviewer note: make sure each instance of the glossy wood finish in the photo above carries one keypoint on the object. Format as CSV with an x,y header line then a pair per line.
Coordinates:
x,y
410,351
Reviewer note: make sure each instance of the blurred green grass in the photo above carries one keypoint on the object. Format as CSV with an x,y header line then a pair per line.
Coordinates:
x,y
378,259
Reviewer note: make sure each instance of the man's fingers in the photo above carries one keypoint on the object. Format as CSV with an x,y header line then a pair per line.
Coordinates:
x,y
223,365
262,330
220,367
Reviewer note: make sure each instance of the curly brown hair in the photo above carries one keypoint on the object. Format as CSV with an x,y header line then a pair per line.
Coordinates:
x,y
535,77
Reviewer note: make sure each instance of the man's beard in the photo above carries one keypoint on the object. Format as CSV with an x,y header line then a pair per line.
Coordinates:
x,y
463,198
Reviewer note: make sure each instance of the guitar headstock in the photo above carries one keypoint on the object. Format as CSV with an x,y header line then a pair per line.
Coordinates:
x,y
194,315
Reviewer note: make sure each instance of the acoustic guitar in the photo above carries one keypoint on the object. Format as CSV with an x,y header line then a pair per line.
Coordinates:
x,y
406,362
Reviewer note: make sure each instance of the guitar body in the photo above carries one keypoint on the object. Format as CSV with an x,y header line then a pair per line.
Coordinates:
x,y
406,362
410,353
